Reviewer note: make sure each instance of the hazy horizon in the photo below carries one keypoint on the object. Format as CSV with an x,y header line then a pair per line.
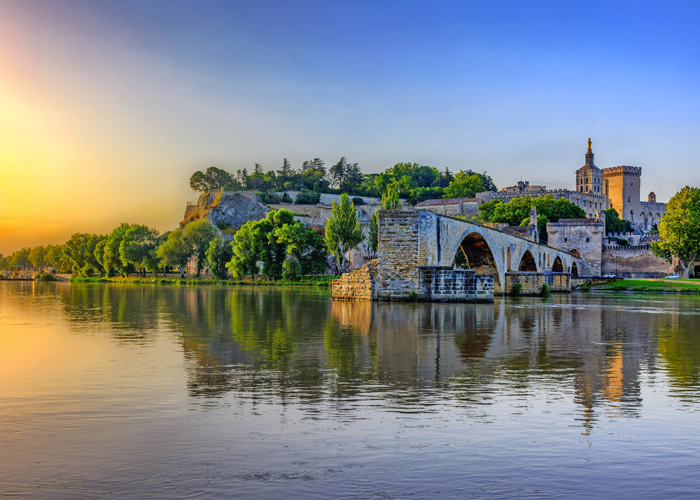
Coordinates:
x,y
109,107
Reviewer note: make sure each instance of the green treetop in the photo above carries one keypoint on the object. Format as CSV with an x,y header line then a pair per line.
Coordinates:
x,y
680,230
343,231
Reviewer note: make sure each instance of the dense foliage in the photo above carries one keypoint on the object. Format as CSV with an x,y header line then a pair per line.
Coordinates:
x,y
613,223
413,182
283,245
517,211
680,230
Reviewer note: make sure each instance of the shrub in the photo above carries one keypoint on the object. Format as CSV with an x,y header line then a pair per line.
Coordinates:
x,y
357,201
586,287
47,277
269,197
308,197
545,290
413,295
286,198
622,242
517,289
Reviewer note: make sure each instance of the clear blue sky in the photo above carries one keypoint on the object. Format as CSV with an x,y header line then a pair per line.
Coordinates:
x,y
138,94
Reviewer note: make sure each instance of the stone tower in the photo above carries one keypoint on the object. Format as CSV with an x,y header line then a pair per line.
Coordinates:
x,y
622,190
589,178
533,231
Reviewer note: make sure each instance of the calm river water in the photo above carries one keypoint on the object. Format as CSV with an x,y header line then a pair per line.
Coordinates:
x,y
205,392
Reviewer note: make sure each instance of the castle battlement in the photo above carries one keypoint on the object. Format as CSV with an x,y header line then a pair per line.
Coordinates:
x,y
622,170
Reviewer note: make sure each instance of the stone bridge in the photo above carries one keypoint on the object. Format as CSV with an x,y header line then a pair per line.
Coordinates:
x,y
415,242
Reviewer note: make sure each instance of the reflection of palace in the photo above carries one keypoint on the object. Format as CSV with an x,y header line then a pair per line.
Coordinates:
x,y
267,343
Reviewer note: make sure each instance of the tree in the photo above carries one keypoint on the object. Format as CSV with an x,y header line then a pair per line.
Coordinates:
x,y
36,256
613,223
53,255
245,258
464,186
3,263
390,199
679,229
343,231
305,247
337,173
212,180
175,251
373,237
219,254
198,234
269,251
138,246
306,197
111,260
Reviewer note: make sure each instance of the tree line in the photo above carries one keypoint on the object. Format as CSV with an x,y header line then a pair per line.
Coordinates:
x,y
414,183
276,246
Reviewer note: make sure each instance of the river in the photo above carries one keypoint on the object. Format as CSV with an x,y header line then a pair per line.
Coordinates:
x,y
175,392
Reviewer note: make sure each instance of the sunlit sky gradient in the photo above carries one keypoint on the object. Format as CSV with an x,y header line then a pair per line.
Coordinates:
x,y
107,107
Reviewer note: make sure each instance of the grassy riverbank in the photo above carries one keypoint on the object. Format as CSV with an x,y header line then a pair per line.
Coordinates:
x,y
651,285
324,281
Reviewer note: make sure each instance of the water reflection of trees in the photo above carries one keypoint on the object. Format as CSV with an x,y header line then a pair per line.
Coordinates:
x,y
298,345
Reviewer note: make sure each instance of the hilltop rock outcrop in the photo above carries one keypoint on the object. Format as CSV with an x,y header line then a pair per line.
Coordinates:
x,y
232,208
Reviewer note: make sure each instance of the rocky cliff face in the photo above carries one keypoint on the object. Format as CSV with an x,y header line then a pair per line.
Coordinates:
x,y
228,207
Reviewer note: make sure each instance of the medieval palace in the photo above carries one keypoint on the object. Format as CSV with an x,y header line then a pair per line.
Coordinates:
x,y
596,190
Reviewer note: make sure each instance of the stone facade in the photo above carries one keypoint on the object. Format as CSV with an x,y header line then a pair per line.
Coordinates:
x,y
581,237
634,262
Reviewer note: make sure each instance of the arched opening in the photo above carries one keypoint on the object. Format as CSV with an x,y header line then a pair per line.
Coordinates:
x,y
558,266
575,253
479,258
574,270
527,263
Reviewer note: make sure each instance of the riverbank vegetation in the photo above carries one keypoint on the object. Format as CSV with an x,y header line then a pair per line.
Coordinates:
x,y
275,250
650,285
313,280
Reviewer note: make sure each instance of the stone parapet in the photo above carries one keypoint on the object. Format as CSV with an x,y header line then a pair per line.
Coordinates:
x,y
622,170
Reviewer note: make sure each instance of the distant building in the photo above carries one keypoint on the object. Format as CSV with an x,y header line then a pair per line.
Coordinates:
x,y
597,189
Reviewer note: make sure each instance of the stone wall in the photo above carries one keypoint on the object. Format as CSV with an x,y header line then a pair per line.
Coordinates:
x,y
397,272
445,284
357,285
532,282
634,262
584,237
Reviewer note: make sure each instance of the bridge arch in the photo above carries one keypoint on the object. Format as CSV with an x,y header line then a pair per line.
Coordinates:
x,y
527,263
558,265
479,256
